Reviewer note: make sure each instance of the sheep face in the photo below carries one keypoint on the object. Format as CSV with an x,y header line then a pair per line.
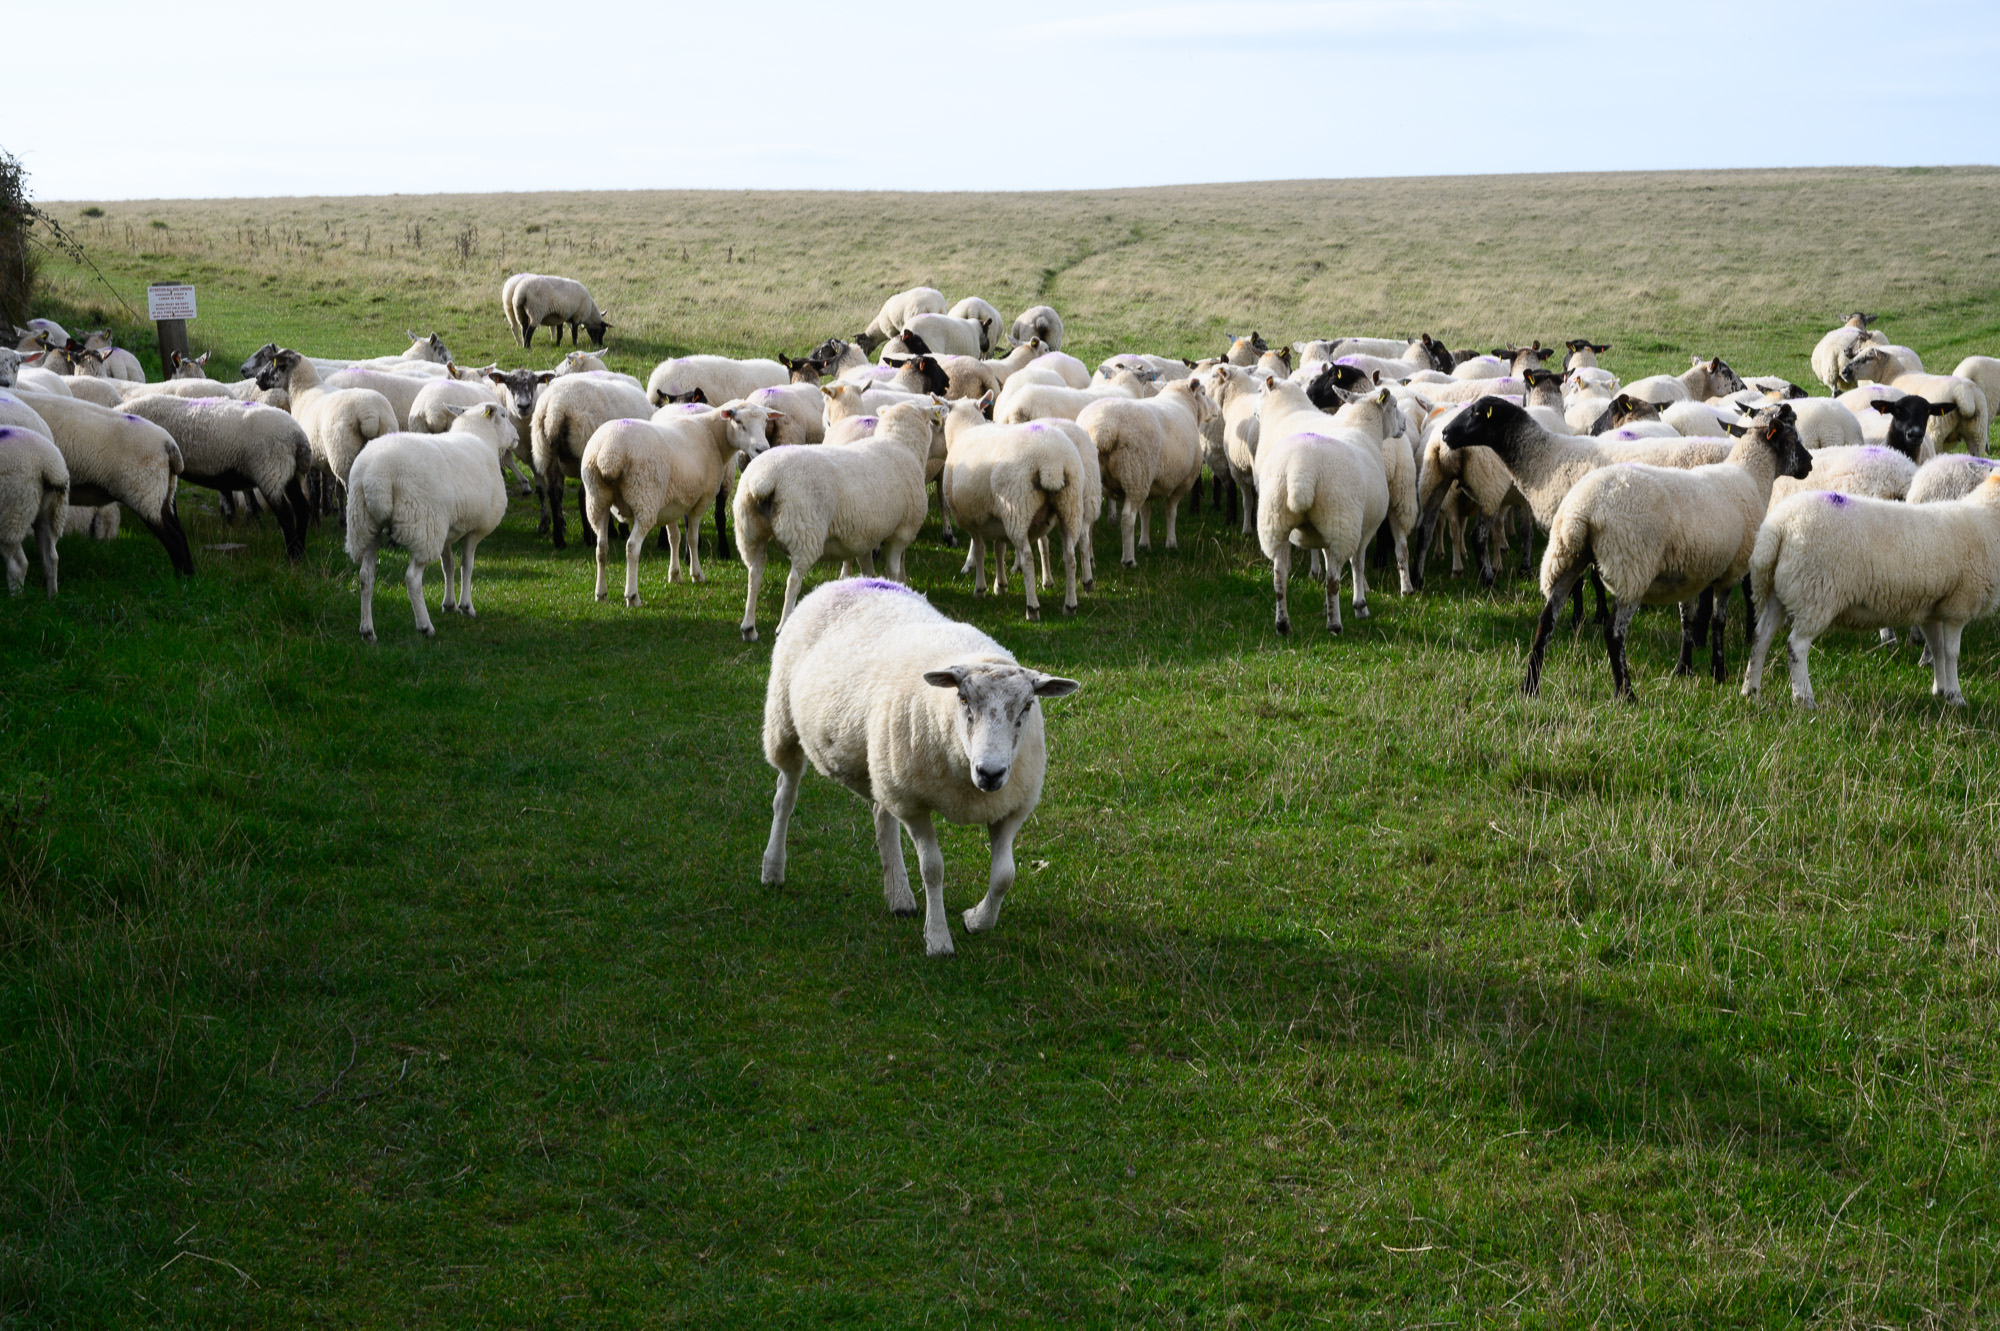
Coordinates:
x,y
1909,417
259,358
692,396
183,367
1867,362
747,427
521,386
10,367
277,372
1485,423
1334,384
430,348
1625,409
1776,427
994,703
595,327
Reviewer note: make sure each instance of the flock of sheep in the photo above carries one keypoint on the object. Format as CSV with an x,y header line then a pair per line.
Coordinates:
x,y
1831,511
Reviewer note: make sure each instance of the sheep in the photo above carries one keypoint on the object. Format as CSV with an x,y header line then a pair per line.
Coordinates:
x,y
968,376
920,374
717,378
1829,355
186,367
1378,416
117,458
118,363
918,715
1949,476
29,338
1147,450
852,416
1480,367
534,300
663,472
1971,422
842,501
569,411
896,313
974,310
1320,487
1022,401
232,446
1024,352
1038,321
798,410
34,490
1659,535
399,390
1010,484
1984,371
943,333
1583,353
339,422
1244,351
426,492
1834,560
1870,469
1700,419
514,389
1700,381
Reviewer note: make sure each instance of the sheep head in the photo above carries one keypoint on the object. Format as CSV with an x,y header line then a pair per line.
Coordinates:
x,y
1909,419
995,700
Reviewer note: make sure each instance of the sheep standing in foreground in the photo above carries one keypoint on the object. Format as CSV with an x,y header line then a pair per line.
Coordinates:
x,y
663,472
1661,535
920,716
1831,560
424,492
1010,485
1148,449
1319,488
843,501
535,300
34,490
116,458
240,448
718,379
1039,321
570,410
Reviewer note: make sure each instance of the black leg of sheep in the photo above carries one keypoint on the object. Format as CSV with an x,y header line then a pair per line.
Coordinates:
x,y
1695,616
1721,622
722,523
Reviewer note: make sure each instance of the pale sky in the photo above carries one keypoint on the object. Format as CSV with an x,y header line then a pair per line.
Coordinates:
x,y
164,101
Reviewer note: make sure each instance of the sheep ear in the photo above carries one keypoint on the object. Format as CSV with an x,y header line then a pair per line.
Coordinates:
x,y
943,679
453,409
1940,408
545,376
1054,686
1879,405
1738,430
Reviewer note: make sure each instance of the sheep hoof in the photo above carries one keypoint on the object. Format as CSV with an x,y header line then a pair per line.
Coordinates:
x,y
1069,609
368,635
1034,614
1284,626
940,947
749,635
1361,611
428,631
907,910
1333,628
602,597
468,611
633,600
1129,563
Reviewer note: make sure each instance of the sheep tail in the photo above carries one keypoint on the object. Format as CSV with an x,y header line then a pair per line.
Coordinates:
x,y
759,491
1569,546
364,522
1299,489
1051,477
1764,561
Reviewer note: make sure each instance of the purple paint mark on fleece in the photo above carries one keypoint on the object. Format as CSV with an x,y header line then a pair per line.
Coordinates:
x,y
1037,425
1837,500
1874,450
129,416
851,586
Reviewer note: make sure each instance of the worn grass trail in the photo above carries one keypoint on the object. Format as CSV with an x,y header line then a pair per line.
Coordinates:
x,y
432,983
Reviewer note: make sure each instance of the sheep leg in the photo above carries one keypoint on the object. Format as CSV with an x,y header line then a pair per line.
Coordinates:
x,y
446,606
552,492
1695,615
895,874
1797,649
1243,501
1172,504
1944,639
413,578
368,595
1332,591
1145,523
975,559
1614,647
1716,663
1024,559
1281,573
1576,603
892,561
1357,568
293,514
944,513
1749,610
583,517
930,861
1042,549
691,537
1760,647
169,533
45,544
791,764
722,523
795,583
1128,529
999,875
1482,537
1527,545
1000,566
753,561
1545,625
1069,574
635,548
1455,529
465,579
972,557
1087,555
17,567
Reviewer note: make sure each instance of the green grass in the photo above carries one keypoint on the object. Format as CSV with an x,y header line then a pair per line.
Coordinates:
x,y
431,983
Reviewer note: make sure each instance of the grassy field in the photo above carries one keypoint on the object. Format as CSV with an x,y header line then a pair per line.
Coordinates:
x,y
431,983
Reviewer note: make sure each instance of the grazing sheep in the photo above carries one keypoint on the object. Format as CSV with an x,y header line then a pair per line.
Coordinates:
x,y
1661,535
1039,321
117,458
1148,449
240,447
339,422
974,310
1970,423
920,716
663,472
34,490
717,378
1320,487
1832,560
425,492
945,334
570,410
843,502
1829,357
1009,485
534,300
896,313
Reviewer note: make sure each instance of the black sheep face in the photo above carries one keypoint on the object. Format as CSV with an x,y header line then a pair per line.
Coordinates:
x,y
595,328
1482,424
521,387
1722,380
1909,419
277,372
829,351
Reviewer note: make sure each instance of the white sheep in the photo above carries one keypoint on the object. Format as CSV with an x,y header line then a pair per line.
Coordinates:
x,y
535,300
1832,560
663,472
1039,321
118,363
1971,421
1024,400
1148,449
1010,485
239,447
400,391
1073,371
425,492
920,716
338,422
1583,354
1702,380
34,489
944,335
569,411
843,502
1378,417
1950,476
1983,371
798,409
993,328
1318,487
1829,356
718,379
896,313
1662,535
1873,470
115,458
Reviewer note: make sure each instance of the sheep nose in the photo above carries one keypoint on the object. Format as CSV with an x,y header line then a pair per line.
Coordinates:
x,y
989,778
